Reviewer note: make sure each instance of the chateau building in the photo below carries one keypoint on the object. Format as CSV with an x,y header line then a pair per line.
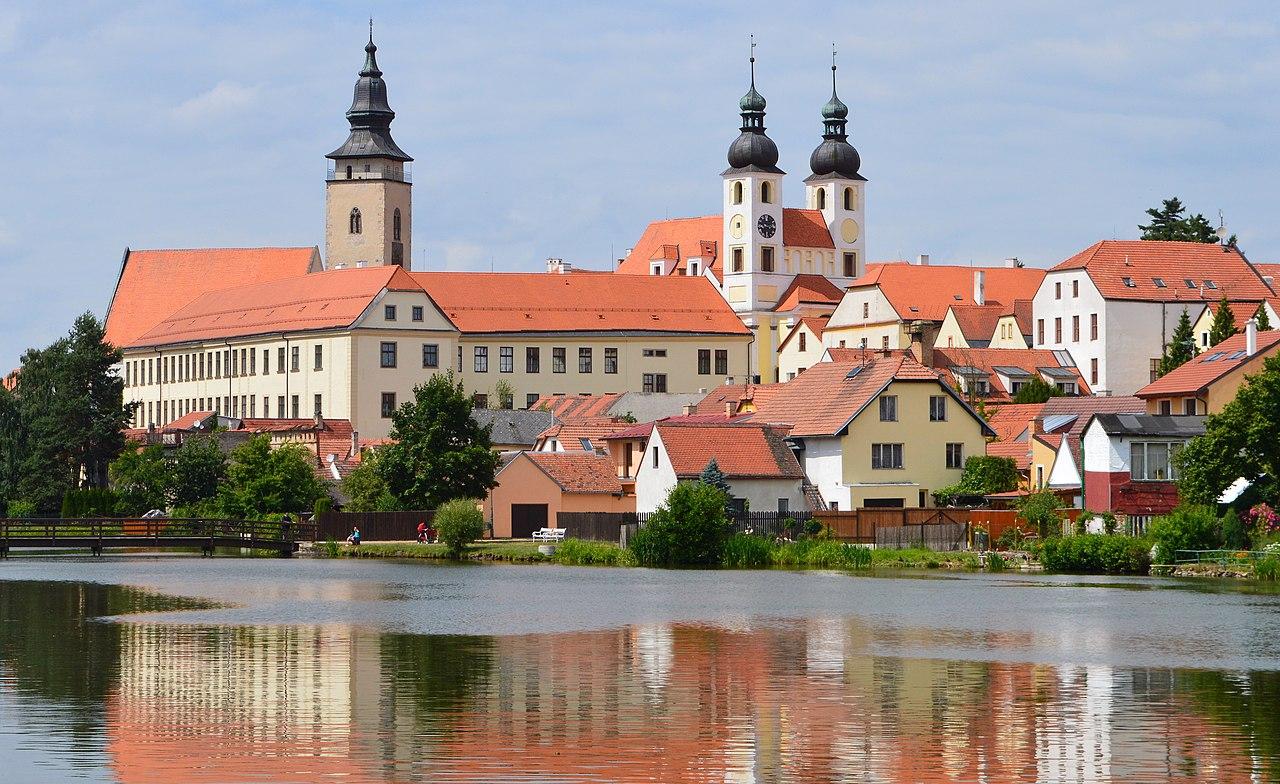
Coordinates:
x,y
759,254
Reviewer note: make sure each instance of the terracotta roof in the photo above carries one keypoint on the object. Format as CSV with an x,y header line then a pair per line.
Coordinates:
x,y
926,291
1030,360
155,283
1011,419
679,239
506,302
643,429
572,433
575,406
578,472
806,289
745,450
322,300
188,421
1240,311
815,324
739,394
1083,408
977,322
823,400
1109,262
1204,369
1020,309
1020,451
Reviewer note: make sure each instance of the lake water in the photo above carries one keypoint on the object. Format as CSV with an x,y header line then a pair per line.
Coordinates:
x,y
180,669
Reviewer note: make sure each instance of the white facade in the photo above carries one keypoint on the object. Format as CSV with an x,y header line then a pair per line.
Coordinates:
x,y
655,478
823,462
1102,453
841,204
864,313
752,238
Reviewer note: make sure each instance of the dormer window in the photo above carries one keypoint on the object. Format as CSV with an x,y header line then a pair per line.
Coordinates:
x,y
655,268
1159,282
1208,284
694,269
1128,282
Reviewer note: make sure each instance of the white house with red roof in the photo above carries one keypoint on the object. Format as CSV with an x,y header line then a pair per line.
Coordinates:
x,y
1115,304
770,262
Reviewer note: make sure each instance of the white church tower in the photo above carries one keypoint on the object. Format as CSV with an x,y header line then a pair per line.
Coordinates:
x,y
836,188
753,236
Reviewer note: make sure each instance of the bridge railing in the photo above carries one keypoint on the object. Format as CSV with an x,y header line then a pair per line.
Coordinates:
x,y
155,528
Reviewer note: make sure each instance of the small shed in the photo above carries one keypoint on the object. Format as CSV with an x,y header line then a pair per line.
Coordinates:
x,y
534,486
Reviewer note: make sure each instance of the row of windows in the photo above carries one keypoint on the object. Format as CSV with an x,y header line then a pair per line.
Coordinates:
x,y
226,363
1075,289
737,262
1075,329
820,199
767,194
889,408
1154,461
355,221
236,406
389,312
389,358
889,456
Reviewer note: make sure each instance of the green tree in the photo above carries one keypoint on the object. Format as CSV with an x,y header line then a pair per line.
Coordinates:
x,y
141,479
199,469
365,488
439,453
504,394
1264,323
712,475
12,447
983,475
1037,390
689,529
1182,345
460,522
1224,323
1041,510
262,481
1188,527
1239,441
1168,222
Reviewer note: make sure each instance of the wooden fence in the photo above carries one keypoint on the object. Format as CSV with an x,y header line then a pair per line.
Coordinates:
x,y
859,526
374,526
997,521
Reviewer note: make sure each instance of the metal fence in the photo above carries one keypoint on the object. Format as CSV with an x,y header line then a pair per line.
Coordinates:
x,y
942,537
374,526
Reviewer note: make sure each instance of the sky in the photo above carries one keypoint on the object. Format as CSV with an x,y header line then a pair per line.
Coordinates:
x,y
986,129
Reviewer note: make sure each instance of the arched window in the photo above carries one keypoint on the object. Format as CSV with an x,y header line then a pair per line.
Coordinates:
x,y
355,227
820,199
348,172
848,198
766,192
395,225
737,193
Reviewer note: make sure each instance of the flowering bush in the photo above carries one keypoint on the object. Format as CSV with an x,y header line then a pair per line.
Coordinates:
x,y
1263,519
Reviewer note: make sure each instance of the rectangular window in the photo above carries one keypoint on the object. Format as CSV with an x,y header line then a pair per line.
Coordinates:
x,y
1040,331
235,365
244,361
201,366
1093,326
295,359
1166,407
1075,288
319,357
955,455
654,352
280,360
802,341
459,359
319,411
850,265
389,312
387,358
1189,406
430,355
480,400
584,360
737,260
266,361
1093,371
886,456
722,361
293,405
506,359
253,404
1075,329
1057,330
654,382
530,400
655,457
558,360
884,342
480,359
888,408
1057,290
1153,461
611,360
938,408
235,406
704,361
766,259
866,311
416,312
280,407
532,359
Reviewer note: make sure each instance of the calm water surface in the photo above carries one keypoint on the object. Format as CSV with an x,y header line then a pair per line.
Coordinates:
x,y
178,669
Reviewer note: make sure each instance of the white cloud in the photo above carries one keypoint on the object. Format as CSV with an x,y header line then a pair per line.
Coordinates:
x,y
225,98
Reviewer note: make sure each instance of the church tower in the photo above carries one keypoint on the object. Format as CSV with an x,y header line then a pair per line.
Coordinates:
x,y
752,238
368,215
836,188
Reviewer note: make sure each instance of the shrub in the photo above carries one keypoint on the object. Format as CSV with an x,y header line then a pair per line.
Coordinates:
x,y
1040,510
17,508
89,502
1096,554
1188,527
1268,568
689,529
996,562
1010,538
1234,536
746,551
581,552
460,523
983,475
323,504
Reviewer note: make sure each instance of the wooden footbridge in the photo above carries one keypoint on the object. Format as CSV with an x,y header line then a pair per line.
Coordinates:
x,y
98,534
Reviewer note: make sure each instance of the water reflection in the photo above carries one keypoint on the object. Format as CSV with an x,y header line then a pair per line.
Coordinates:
x,y
773,701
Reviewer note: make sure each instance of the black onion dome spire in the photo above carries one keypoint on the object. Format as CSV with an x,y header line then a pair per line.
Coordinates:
x,y
753,150
370,115
835,157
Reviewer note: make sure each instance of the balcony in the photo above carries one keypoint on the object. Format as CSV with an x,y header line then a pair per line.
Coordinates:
x,y
370,171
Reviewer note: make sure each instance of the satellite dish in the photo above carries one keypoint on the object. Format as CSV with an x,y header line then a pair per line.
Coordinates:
x,y
332,458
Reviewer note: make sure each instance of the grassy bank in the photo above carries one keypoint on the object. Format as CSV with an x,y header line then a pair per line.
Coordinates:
x,y
514,552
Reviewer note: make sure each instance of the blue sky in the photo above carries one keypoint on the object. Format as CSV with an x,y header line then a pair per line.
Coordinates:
x,y
560,129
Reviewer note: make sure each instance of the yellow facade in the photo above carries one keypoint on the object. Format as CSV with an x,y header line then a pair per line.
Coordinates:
x,y
1008,334
949,334
1043,457
924,446
377,195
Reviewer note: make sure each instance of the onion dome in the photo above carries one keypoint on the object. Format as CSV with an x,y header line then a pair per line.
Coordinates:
x,y
370,115
835,157
753,150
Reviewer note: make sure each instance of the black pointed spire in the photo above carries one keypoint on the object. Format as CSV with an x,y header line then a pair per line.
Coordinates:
x,y
835,157
753,150
370,115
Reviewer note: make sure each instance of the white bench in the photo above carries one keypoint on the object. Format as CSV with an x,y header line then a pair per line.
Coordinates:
x,y
549,534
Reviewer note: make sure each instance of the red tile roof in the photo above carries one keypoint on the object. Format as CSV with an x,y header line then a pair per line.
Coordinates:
x,y
1109,262
1240,311
680,239
1195,377
823,400
188,421
746,450
643,430
578,472
738,394
324,300
1021,312
926,291
805,229
809,289
1011,419
575,406
506,302
977,322
155,283
987,359
571,433
815,324
1019,451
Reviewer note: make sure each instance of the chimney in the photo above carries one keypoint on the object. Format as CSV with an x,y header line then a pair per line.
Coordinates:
x,y
730,408
558,266
1012,263
355,443
689,409
1251,337
979,287
1035,427
921,348
922,260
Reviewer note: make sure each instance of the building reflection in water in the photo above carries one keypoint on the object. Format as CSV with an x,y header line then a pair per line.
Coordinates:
x,y
805,701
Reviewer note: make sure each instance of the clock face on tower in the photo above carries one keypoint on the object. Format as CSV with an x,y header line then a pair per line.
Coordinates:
x,y
767,226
